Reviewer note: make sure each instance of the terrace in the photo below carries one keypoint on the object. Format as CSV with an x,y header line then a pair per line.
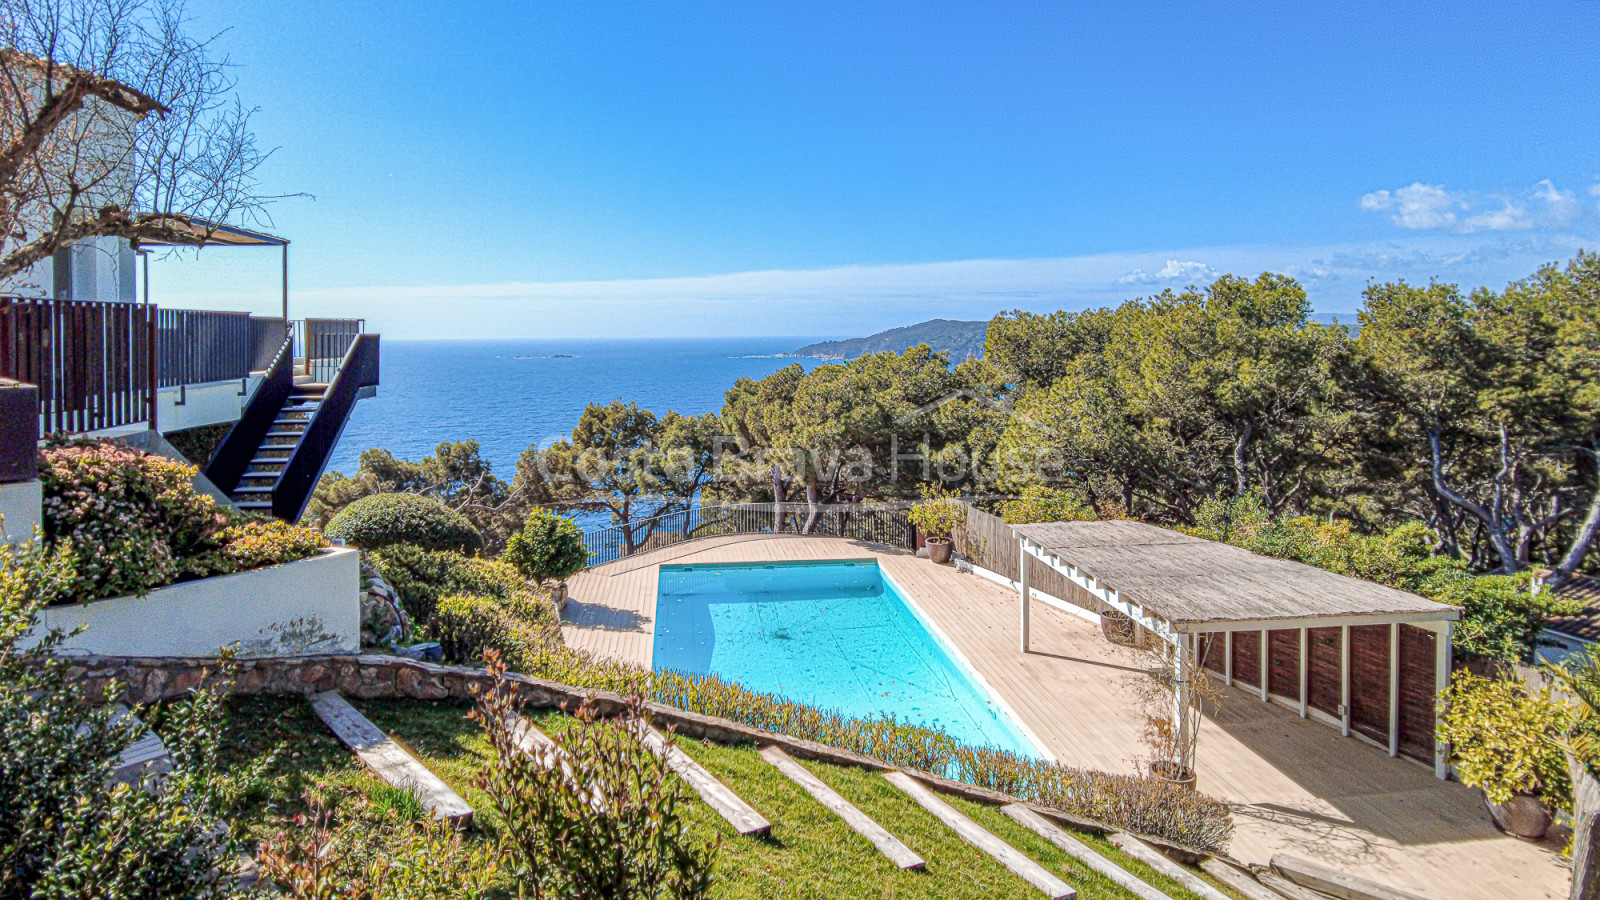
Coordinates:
x,y
1297,787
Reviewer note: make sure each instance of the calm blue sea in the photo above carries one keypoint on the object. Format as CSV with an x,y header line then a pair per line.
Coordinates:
x,y
834,635
507,395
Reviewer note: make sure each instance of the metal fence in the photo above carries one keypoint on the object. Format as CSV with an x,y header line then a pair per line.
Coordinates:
x,y
94,363
195,346
880,523
322,343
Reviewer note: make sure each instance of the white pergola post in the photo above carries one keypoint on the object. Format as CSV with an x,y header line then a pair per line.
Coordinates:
x,y
1022,580
1344,680
1265,664
1305,652
1444,632
1181,648
1394,689
1227,658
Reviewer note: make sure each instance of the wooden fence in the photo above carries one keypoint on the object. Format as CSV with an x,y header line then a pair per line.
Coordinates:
x,y
989,543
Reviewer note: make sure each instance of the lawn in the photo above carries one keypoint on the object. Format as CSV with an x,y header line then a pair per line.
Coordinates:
x,y
809,853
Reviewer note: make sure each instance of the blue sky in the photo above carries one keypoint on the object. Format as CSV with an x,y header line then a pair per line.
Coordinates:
x,y
616,169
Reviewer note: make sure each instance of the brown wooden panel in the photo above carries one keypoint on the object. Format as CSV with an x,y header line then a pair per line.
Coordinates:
x,y
1416,692
1247,658
1322,669
1369,681
1283,662
1212,647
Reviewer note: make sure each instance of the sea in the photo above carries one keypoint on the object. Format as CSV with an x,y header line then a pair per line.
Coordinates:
x,y
509,395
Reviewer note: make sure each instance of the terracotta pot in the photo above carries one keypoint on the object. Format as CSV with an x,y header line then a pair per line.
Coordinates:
x,y
940,550
1524,817
1118,628
558,594
1172,773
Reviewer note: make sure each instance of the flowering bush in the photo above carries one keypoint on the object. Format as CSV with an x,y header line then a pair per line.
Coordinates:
x,y
132,517
134,521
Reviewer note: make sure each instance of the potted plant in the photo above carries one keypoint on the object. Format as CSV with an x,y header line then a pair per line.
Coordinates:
x,y
1507,742
548,550
1171,704
938,516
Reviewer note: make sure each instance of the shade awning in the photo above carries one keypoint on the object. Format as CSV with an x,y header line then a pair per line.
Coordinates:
x,y
1194,583
190,231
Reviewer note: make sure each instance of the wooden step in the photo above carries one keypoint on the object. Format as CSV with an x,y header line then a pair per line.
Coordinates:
x,y
1157,860
741,815
145,756
388,760
285,434
976,835
252,490
1331,881
1081,852
536,744
887,844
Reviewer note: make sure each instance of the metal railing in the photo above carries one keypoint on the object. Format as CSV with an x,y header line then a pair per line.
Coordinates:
x,y
323,343
880,523
194,346
93,363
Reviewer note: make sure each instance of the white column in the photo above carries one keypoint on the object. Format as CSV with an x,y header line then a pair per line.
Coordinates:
x,y
1344,679
1181,648
1227,658
1264,665
1022,579
1443,633
1394,689
1305,662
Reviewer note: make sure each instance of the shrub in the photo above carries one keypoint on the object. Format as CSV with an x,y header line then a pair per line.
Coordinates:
x,y
939,514
1505,740
421,577
598,818
381,520
57,816
135,517
269,542
1046,504
549,546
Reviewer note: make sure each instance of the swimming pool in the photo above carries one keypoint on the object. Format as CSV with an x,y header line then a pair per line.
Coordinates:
x,y
837,635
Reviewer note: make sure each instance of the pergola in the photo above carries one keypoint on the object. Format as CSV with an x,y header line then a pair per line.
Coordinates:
x,y
1342,650
191,231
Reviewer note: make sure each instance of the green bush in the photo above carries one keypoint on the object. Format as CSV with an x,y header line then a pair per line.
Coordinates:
x,y
939,514
381,520
523,630
64,830
549,546
1505,740
421,577
1046,504
134,517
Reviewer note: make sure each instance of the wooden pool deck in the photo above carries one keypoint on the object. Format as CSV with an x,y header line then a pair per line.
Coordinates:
x,y
1297,785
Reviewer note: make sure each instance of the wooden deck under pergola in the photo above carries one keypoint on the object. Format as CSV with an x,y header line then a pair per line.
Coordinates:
x,y
1365,658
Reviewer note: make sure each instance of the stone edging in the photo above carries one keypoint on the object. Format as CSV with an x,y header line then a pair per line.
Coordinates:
x,y
377,676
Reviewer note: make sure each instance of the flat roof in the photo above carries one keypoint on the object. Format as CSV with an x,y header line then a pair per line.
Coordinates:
x,y
1191,581
192,231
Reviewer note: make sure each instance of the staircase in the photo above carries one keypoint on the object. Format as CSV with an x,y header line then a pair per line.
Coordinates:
x,y
272,459
260,477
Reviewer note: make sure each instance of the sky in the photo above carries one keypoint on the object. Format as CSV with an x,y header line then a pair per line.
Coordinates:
x,y
578,170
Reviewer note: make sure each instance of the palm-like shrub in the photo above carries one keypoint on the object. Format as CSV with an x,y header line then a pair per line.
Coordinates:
x,y
549,547
381,520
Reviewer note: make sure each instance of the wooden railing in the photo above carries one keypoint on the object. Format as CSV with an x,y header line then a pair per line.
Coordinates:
x,y
95,364
356,371
323,343
233,455
879,523
989,543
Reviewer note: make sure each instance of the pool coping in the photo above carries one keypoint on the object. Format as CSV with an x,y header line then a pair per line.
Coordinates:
x,y
923,619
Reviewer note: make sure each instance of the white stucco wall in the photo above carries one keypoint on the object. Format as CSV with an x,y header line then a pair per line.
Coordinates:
x,y
302,608
212,403
21,505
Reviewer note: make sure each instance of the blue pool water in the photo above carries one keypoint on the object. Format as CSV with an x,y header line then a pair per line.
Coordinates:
x,y
836,635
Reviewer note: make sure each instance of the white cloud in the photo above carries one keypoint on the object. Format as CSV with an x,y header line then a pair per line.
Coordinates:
x,y
1187,272
1594,191
1416,207
1430,207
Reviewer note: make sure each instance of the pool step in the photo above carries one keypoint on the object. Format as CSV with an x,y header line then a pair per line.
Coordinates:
x,y
1081,852
741,815
887,844
388,760
976,835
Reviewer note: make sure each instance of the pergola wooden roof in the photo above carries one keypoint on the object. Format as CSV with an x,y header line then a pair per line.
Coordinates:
x,y
1200,585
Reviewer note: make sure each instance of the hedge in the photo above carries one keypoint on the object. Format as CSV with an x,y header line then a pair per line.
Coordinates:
x,y
382,520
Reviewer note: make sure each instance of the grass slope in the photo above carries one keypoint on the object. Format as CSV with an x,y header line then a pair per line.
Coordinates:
x,y
809,854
